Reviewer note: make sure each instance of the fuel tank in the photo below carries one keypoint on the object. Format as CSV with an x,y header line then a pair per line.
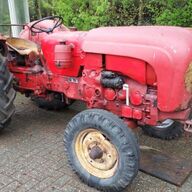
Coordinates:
x,y
62,52
168,50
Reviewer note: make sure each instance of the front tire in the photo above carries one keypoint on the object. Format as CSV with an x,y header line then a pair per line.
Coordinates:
x,y
7,94
102,150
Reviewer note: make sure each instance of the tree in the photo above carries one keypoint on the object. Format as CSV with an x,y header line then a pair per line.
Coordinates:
x,y
141,12
4,16
176,12
90,14
87,14
37,8
40,8
82,14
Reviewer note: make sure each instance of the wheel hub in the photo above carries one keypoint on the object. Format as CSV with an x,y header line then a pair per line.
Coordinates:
x,y
96,153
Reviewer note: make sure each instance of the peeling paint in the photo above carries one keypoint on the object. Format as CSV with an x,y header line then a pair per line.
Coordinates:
x,y
188,78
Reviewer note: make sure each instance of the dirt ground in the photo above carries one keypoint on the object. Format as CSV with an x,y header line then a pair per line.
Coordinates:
x,y
32,156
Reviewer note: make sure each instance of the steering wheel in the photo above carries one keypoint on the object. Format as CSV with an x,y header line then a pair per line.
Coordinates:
x,y
35,29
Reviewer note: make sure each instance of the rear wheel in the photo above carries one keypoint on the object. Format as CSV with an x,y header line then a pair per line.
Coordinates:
x,y
102,150
167,130
54,101
7,94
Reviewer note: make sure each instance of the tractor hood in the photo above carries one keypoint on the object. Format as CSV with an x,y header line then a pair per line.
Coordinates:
x,y
167,49
133,41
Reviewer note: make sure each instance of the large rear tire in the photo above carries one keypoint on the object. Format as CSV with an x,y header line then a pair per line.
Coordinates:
x,y
7,94
102,150
54,101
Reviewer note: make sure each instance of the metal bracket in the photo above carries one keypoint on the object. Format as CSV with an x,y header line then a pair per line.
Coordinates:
x,y
188,126
126,88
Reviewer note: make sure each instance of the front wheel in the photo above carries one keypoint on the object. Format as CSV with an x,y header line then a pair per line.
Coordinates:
x,y
102,150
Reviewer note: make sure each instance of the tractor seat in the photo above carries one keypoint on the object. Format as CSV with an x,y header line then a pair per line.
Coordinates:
x,y
22,46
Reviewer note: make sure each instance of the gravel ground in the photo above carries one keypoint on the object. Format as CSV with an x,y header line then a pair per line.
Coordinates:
x,y
32,157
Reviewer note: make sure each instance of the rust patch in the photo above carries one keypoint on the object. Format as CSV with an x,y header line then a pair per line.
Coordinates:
x,y
188,78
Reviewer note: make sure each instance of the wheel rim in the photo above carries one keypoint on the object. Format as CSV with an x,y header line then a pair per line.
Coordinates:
x,y
165,124
96,153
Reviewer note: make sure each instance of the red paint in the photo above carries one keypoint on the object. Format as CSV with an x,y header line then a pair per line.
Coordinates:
x,y
127,111
48,48
137,114
63,56
151,60
166,49
136,98
109,94
93,61
130,65
130,123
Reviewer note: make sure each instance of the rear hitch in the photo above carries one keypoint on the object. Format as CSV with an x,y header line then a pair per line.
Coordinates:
x,y
188,126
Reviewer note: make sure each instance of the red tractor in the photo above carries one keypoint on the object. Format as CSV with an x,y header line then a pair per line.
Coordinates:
x,y
125,75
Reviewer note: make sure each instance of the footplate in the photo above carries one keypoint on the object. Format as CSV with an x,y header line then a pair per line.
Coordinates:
x,y
171,169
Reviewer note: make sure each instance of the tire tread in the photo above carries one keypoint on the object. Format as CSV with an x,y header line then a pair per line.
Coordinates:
x,y
174,131
7,94
127,143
